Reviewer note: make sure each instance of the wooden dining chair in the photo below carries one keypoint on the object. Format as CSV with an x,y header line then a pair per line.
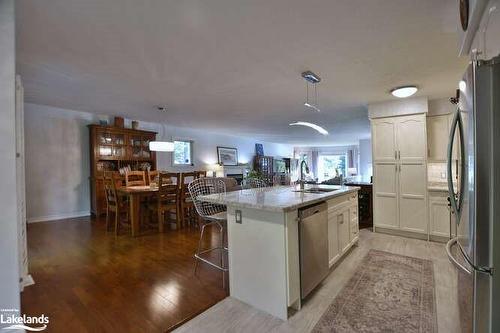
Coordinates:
x,y
114,202
135,178
167,199
152,175
186,202
201,174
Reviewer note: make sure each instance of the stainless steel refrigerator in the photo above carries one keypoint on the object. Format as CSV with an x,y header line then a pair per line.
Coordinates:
x,y
474,189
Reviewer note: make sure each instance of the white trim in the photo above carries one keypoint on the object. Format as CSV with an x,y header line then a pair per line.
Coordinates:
x,y
58,216
26,281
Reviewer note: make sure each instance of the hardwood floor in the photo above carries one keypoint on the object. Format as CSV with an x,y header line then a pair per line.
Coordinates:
x,y
231,315
86,280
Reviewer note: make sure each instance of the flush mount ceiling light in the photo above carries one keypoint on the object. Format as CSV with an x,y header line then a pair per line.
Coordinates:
x,y
313,79
403,92
311,125
161,146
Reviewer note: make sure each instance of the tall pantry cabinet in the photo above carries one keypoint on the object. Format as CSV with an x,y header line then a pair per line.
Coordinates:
x,y
400,173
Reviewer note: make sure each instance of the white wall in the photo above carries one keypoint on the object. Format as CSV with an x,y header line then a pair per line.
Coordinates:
x,y
57,157
57,162
365,159
441,106
9,270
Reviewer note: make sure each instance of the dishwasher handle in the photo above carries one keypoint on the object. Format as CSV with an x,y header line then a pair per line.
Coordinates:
x,y
312,210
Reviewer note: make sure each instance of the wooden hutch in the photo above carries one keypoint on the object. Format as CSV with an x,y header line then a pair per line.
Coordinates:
x,y
112,148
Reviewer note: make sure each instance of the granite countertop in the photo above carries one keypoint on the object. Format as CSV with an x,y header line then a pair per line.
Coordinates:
x,y
278,198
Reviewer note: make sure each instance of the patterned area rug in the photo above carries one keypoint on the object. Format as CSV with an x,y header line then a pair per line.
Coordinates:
x,y
387,293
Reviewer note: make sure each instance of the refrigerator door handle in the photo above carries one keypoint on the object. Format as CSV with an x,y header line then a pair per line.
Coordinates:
x,y
454,261
456,198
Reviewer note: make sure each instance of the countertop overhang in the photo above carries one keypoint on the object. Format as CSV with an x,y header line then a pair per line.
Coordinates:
x,y
277,198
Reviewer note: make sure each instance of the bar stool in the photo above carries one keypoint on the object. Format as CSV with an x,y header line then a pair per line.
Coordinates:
x,y
211,214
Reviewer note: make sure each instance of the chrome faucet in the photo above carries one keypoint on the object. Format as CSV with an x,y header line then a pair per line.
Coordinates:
x,y
302,180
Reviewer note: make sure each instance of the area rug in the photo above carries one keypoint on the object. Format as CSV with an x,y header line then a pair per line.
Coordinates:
x,y
387,293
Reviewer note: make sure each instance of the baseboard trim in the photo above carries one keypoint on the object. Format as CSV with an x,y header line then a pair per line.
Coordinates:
x,y
56,217
402,233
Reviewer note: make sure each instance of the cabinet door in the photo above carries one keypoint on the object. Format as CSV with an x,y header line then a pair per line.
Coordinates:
x,y
438,137
385,195
333,237
411,138
439,216
412,197
344,229
354,224
383,139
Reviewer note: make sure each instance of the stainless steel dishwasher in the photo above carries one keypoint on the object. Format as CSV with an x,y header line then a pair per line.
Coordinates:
x,y
313,239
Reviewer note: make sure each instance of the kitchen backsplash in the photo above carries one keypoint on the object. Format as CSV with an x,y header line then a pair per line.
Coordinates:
x,y
437,173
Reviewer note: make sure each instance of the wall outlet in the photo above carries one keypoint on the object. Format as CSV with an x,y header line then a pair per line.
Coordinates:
x,y
443,175
237,215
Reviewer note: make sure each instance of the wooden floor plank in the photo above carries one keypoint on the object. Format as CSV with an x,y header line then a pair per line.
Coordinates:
x,y
88,280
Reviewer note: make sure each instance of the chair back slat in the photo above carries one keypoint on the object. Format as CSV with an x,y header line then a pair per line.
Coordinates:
x,y
201,174
186,178
153,176
205,186
167,189
135,178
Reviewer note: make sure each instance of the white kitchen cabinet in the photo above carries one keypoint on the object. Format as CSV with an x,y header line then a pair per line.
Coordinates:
x,y
439,214
400,177
343,226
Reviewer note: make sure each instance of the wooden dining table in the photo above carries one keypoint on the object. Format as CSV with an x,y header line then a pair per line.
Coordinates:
x,y
135,194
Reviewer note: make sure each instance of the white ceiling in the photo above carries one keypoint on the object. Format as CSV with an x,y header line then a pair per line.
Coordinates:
x,y
234,66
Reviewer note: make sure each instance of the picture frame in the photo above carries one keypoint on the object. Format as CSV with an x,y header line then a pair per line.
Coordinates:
x,y
227,156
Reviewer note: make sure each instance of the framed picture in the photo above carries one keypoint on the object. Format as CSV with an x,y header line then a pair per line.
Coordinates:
x,y
259,149
227,156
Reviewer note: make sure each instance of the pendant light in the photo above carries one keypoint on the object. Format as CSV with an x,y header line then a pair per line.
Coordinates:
x,y
313,79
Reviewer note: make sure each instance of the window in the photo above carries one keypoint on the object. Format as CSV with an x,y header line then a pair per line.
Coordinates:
x,y
183,153
331,165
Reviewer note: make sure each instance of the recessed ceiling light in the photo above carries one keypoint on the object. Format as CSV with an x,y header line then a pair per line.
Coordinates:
x,y
311,125
403,92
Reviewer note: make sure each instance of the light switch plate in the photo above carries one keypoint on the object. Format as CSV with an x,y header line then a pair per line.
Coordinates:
x,y
237,215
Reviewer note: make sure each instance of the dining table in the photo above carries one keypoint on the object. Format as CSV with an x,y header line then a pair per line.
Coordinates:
x,y
135,194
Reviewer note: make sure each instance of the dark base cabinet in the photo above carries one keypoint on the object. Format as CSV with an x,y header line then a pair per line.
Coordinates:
x,y
365,204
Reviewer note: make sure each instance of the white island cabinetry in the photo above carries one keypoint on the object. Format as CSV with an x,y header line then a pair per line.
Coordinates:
x,y
343,227
264,246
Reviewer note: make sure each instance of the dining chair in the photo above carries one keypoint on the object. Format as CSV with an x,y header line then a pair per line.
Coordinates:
x,y
114,202
253,183
152,176
186,203
210,214
135,178
167,199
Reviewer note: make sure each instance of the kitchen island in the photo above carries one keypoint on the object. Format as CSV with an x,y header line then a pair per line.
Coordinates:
x,y
263,239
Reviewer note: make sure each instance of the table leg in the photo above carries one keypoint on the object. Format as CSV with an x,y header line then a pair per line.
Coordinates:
x,y
134,214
